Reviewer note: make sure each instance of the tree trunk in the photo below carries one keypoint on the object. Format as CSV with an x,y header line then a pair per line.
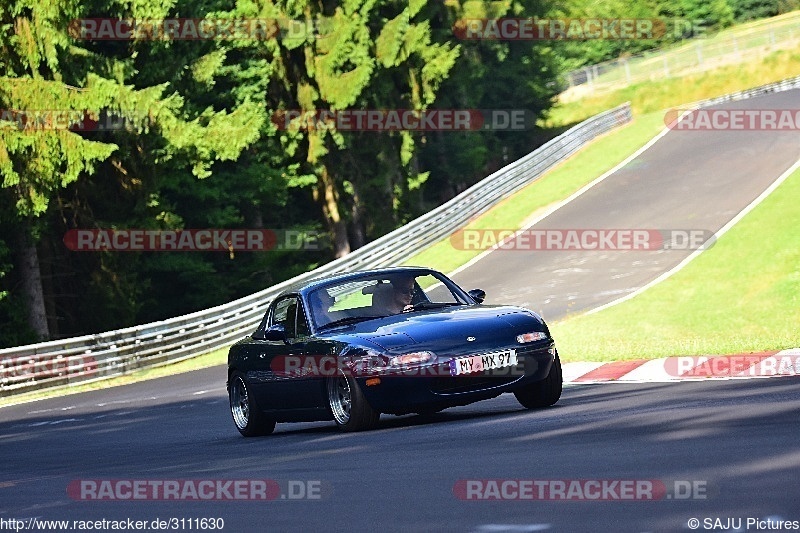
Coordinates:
x,y
32,293
358,237
49,284
329,199
447,192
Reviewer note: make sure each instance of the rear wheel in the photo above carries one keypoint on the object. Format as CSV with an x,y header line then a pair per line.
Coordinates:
x,y
543,393
249,419
349,407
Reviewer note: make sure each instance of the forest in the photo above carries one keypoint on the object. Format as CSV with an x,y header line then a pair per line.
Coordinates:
x,y
321,122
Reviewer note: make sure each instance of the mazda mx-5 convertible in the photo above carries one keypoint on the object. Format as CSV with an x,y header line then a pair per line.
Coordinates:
x,y
398,340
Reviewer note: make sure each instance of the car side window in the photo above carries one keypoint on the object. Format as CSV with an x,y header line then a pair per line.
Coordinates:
x,y
289,313
266,321
279,314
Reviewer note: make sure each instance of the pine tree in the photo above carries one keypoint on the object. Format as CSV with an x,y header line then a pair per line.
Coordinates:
x,y
51,86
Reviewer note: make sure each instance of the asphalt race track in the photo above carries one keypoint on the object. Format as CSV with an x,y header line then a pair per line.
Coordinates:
x,y
688,180
734,441
713,449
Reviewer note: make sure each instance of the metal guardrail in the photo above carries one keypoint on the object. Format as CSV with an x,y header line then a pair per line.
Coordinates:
x,y
104,355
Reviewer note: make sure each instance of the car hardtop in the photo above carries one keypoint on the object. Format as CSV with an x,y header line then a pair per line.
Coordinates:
x,y
303,288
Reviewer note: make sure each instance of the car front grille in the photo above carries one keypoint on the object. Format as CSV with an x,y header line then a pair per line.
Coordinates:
x,y
458,384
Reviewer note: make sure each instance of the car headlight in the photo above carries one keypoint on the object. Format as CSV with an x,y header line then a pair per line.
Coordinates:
x,y
413,358
361,359
531,337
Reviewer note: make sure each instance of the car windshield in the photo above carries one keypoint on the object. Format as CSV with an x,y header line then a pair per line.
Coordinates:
x,y
380,295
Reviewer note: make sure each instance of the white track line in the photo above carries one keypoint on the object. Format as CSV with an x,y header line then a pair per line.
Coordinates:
x,y
561,204
700,250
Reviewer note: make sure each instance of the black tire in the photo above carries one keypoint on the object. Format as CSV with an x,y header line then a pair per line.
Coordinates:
x,y
249,419
349,408
542,393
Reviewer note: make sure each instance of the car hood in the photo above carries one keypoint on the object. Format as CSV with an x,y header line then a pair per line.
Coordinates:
x,y
488,326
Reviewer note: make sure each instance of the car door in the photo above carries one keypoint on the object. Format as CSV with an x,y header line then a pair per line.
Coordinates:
x,y
292,387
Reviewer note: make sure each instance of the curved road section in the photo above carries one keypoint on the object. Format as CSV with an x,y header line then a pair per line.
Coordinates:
x,y
163,455
688,184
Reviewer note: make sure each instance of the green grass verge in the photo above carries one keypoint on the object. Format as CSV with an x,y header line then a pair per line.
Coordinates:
x,y
214,358
663,94
592,161
742,295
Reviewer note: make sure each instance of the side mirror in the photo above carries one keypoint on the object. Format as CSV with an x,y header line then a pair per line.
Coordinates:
x,y
275,332
478,295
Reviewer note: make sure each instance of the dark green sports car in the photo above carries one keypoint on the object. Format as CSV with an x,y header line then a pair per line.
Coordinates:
x,y
399,340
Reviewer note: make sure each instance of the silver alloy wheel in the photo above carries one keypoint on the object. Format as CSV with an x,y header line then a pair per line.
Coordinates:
x,y
240,406
339,398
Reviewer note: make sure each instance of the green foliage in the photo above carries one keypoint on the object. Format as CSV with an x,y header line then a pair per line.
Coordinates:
x,y
199,149
488,75
711,15
744,10
342,64
577,53
73,178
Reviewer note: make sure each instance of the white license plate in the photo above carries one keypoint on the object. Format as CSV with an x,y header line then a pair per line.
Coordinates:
x,y
479,363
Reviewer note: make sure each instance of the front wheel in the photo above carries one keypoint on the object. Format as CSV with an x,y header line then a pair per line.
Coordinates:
x,y
543,393
349,407
249,420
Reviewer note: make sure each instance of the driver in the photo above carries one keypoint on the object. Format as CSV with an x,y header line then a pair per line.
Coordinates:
x,y
401,294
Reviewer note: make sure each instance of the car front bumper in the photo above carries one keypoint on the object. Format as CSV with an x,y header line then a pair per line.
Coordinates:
x,y
431,387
